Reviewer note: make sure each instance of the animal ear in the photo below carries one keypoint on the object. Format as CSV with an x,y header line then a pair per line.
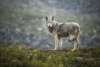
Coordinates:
x,y
52,18
46,18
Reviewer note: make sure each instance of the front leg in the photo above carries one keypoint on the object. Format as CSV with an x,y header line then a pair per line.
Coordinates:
x,y
60,44
56,41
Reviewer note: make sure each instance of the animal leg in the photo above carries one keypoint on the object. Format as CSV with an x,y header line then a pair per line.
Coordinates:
x,y
72,37
76,45
56,41
60,44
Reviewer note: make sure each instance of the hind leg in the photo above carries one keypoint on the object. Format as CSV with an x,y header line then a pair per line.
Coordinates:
x,y
72,37
76,45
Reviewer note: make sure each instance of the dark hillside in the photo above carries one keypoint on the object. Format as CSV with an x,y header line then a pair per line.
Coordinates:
x,y
23,21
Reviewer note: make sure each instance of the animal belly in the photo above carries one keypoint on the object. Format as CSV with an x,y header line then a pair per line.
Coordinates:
x,y
63,34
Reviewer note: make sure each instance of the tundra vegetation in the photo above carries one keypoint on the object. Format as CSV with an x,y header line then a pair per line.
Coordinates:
x,y
24,56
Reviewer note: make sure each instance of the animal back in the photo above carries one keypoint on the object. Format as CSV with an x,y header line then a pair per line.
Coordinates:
x,y
63,30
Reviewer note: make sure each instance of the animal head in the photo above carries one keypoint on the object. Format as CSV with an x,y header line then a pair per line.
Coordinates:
x,y
50,22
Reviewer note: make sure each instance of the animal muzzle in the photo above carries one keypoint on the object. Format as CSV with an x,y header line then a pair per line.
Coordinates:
x,y
49,25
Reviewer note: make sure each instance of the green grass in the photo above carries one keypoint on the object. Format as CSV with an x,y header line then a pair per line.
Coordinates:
x,y
23,56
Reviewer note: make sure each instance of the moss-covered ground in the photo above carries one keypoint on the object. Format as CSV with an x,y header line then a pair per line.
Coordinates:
x,y
24,56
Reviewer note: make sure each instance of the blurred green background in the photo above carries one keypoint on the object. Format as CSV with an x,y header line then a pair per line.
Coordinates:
x,y
23,21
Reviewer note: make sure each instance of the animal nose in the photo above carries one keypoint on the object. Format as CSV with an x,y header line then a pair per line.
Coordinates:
x,y
48,26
